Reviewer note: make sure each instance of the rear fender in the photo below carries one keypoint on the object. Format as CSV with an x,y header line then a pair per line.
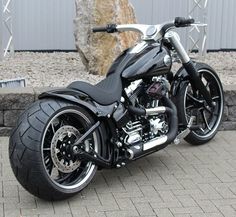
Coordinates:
x,y
79,98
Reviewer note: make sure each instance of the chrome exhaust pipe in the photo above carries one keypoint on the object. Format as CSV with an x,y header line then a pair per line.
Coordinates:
x,y
138,149
149,111
158,143
155,111
155,142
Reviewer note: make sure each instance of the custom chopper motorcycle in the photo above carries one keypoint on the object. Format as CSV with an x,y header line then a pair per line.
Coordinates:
x,y
139,108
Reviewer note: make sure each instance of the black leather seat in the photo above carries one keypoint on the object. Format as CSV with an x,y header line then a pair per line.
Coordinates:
x,y
105,92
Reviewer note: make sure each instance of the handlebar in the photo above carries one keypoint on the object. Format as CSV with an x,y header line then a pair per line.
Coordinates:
x,y
100,29
148,31
110,28
183,22
178,22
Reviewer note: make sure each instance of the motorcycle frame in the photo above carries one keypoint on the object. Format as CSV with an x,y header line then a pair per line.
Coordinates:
x,y
151,34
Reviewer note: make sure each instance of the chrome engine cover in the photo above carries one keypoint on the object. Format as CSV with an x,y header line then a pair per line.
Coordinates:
x,y
133,131
156,126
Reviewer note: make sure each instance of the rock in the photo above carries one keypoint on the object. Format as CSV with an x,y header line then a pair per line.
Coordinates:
x,y
99,50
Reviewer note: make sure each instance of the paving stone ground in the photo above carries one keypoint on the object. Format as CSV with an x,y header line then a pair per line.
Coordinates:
x,y
179,181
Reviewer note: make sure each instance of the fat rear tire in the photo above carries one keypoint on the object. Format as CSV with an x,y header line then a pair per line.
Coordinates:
x,y
25,150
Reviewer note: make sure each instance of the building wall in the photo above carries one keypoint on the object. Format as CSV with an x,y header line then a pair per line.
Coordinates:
x,y
48,24
43,24
221,19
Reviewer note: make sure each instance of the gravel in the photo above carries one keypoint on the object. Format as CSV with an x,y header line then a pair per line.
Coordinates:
x,y
46,69
60,69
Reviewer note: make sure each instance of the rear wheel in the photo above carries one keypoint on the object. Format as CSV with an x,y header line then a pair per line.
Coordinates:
x,y
190,103
40,149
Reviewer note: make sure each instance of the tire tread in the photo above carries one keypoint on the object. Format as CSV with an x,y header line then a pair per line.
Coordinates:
x,y
24,149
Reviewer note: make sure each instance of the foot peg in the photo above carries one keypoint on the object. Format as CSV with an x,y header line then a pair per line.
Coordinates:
x,y
195,127
185,132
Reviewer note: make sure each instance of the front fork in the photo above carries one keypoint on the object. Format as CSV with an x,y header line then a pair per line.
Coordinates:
x,y
195,80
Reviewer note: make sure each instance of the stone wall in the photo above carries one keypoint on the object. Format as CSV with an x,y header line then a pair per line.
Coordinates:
x,y
14,101
229,119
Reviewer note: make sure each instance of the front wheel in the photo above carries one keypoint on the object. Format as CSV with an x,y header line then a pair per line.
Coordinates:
x,y
190,103
40,153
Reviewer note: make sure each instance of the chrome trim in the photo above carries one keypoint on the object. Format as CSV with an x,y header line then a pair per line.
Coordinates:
x,y
155,111
143,29
139,47
132,87
131,153
167,60
155,142
174,39
185,132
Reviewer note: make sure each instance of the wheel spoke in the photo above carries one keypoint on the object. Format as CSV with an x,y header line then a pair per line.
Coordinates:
x,y
47,142
208,110
51,168
192,98
62,177
49,164
207,85
202,130
47,149
189,107
53,129
215,98
197,117
205,120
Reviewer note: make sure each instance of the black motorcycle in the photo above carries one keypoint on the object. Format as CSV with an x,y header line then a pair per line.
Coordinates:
x,y
139,108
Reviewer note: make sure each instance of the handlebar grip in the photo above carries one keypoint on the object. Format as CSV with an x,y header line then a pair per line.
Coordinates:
x,y
100,29
110,28
183,22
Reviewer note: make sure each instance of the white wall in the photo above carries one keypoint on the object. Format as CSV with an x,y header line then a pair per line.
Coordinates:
x,y
43,24
221,18
48,24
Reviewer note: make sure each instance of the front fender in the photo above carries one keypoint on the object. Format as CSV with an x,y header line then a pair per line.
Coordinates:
x,y
180,78
81,99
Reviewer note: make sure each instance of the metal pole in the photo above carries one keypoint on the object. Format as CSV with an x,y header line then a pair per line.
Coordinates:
x,y
197,35
1,30
6,30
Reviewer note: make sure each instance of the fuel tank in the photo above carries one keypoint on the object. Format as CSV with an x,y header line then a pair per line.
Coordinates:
x,y
152,60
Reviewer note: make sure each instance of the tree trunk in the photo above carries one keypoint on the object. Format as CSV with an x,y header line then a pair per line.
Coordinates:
x,y
99,50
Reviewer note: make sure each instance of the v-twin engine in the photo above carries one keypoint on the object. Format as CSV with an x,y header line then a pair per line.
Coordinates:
x,y
150,132
140,138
